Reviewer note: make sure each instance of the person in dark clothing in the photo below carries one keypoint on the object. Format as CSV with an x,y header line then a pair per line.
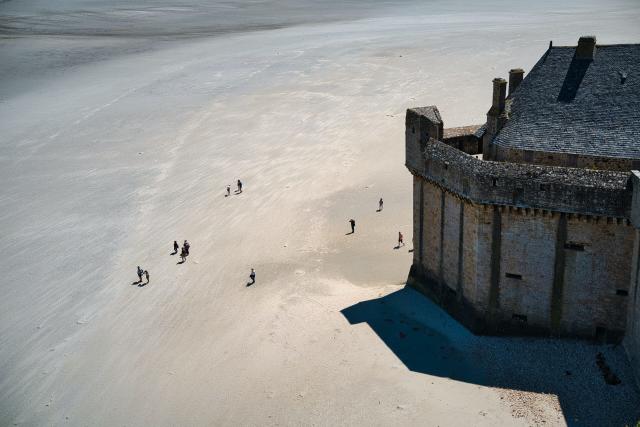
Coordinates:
x,y
186,247
176,246
228,191
353,225
183,255
140,272
400,239
146,274
252,276
380,204
239,187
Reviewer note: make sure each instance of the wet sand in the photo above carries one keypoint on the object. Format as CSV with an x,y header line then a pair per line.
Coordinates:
x,y
105,160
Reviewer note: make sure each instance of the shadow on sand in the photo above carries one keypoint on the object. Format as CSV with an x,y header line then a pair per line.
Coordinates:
x,y
427,340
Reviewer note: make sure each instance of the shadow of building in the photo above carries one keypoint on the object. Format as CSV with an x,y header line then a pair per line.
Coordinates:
x,y
429,341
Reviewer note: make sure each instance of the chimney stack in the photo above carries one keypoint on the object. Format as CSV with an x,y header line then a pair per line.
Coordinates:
x,y
499,95
586,49
515,78
496,117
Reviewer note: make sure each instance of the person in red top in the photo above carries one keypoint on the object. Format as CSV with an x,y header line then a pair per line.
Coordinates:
x,y
400,239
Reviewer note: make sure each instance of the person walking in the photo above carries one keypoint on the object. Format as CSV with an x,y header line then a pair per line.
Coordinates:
x,y
228,191
252,276
146,274
239,186
176,246
183,255
186,246
140,272
353,225
400,239
380,204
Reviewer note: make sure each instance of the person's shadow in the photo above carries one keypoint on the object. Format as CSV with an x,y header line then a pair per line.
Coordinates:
x,y
379,210
174,252
349,233
142,284
181,262
135,283
396,247
250,283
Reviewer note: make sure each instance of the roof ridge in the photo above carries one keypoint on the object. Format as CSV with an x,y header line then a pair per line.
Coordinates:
x,y
597,45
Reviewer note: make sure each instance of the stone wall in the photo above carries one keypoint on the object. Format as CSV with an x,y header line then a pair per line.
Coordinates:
x,y
505,154
632,335
561,189
519,248
504,269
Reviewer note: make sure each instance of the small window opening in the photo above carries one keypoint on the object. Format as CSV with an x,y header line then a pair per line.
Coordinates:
x,y
622,292
495,182
513,276
413,129
520,318
574,246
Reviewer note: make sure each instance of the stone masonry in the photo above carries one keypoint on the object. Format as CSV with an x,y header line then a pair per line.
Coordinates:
x,y
530,241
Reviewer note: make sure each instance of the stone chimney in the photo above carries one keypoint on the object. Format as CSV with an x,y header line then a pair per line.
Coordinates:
x,y
496,116
499,95
586,48
515,78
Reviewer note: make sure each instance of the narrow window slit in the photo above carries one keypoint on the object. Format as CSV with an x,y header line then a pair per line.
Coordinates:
x,y
574,246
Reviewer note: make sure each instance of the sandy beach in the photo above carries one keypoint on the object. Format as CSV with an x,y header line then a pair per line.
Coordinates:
x,y
113,147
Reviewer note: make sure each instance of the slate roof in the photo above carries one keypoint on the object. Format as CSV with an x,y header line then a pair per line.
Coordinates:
x,y
431,112
576,106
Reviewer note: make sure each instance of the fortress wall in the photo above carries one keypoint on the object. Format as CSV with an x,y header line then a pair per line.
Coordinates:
x,y
505,154
418,216
483,248
570,190
527,266
431,232
597,266
479,222
524,270
451,241
632,335
469,287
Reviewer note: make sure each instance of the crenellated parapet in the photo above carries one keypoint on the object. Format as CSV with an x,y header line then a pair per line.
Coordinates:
x,y
561,189
569,190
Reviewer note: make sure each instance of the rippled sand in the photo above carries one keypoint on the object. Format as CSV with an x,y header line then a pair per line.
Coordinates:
x,y
117,140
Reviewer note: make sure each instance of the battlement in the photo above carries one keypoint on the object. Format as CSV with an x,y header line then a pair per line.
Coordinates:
x,y
561,189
